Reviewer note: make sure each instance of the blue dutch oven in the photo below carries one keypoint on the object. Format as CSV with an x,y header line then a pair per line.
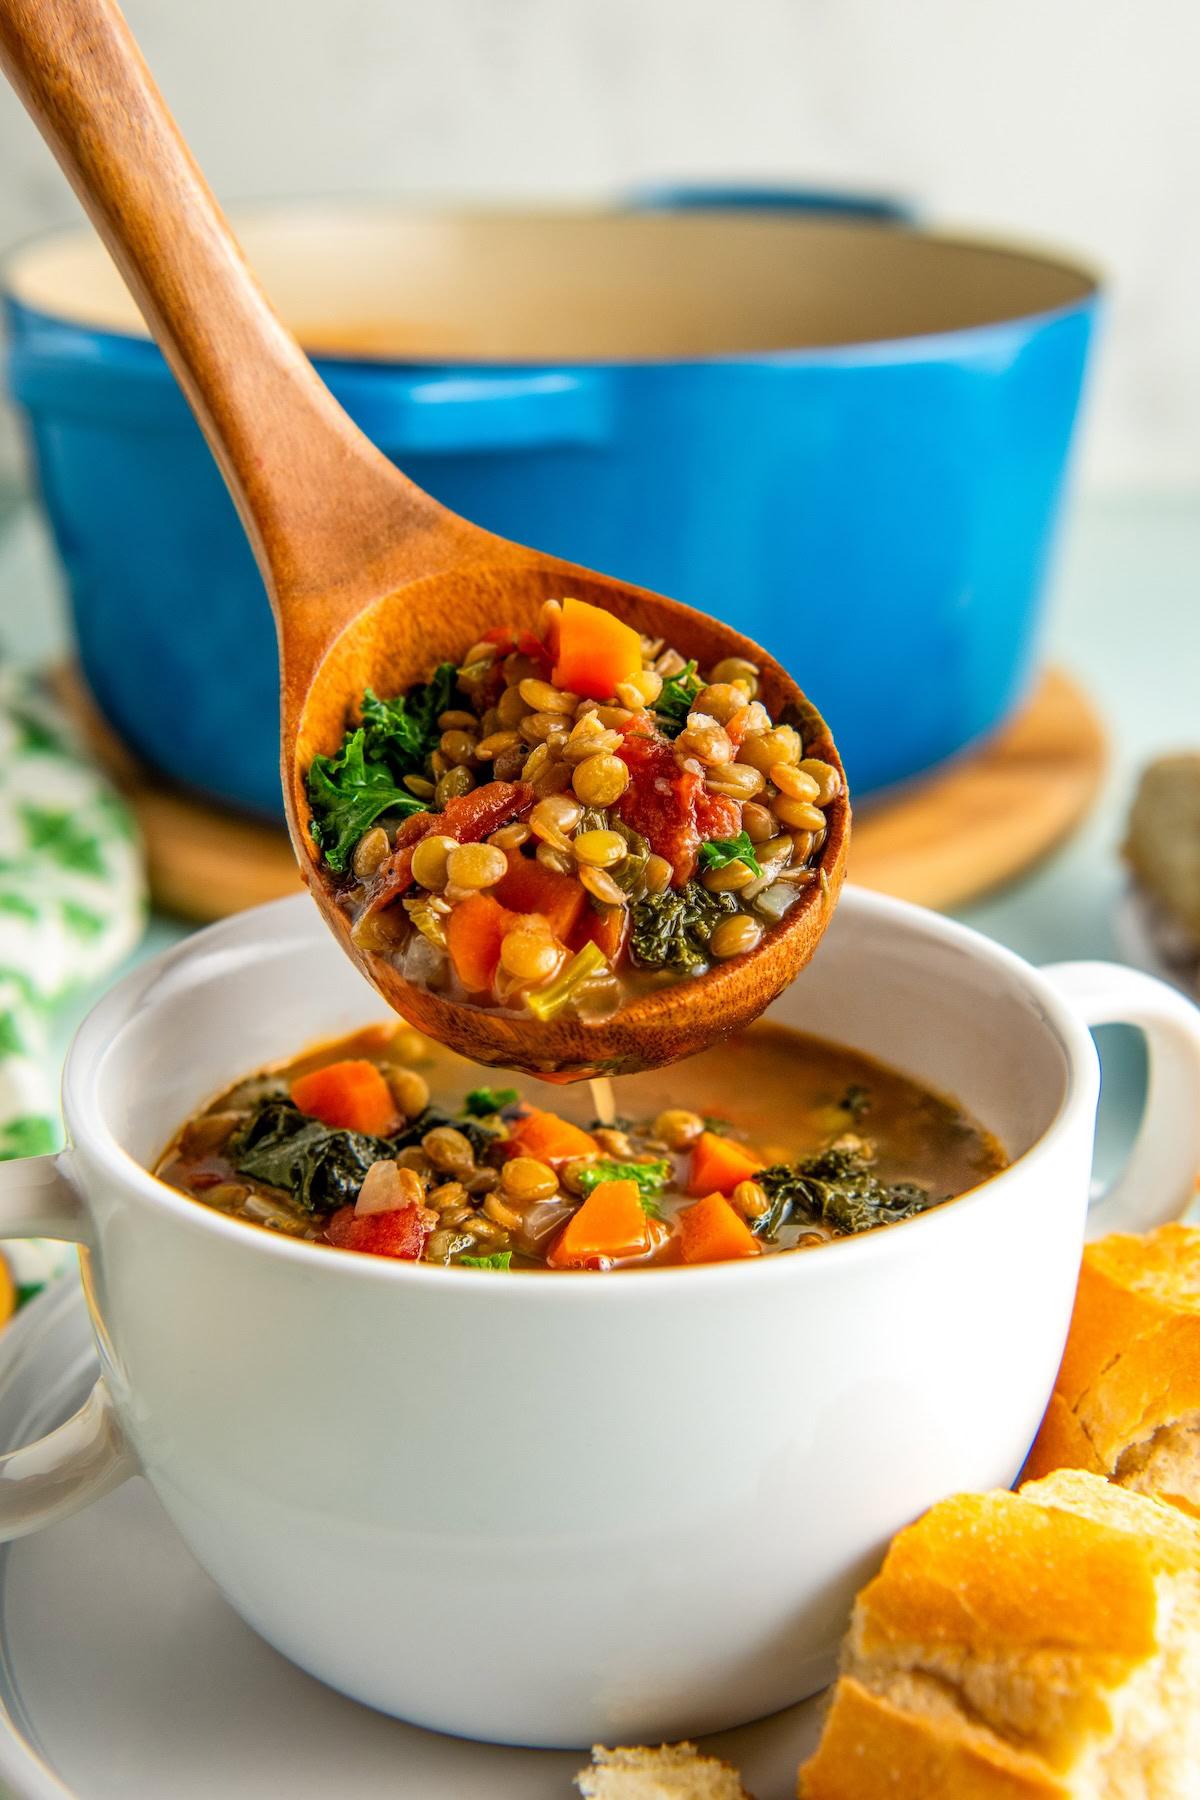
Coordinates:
x,y
843,435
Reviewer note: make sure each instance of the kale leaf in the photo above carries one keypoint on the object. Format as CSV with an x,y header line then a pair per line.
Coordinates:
x,y
484,1100
401,733
499,1259
838,1188
347,793
320,1167
674,703
651,1178
671,930
717,853
477,1135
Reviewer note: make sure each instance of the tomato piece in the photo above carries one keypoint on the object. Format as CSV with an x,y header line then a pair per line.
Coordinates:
x,y
717,815
467,817
660,800
400,1234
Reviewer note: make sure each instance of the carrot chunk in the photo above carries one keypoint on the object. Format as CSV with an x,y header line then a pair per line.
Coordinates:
x,y
350,1096
607,929
596,650
549,1138
611,1223
528,887
475,930
710,1231
718,1164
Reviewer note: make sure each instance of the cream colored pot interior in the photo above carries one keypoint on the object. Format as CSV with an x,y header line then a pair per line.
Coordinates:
x,y
584,287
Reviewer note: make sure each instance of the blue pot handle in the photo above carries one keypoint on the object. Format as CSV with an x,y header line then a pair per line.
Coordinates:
x,y
60,369
454,412
735,196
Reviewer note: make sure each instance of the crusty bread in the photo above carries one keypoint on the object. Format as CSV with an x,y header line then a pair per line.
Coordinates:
x,y
672,1772
1034,1646
1162,845
1126,1401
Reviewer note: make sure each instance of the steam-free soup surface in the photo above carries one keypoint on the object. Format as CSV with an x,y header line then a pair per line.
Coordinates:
x,y
387,1144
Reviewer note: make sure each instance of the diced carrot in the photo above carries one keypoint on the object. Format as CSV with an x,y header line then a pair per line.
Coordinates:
x,y
549,1138
719,1163
475,930
607,929
710,1231
596,650
350,1096
611,1223
528,887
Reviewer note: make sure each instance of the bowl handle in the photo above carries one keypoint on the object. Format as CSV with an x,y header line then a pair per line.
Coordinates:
x,y
87,1456
1158,1182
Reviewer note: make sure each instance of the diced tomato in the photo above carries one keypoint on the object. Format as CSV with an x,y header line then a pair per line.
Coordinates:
x,y
529,887
350,1096
470,817
467,817
660,800
528,643
400,1234
717,815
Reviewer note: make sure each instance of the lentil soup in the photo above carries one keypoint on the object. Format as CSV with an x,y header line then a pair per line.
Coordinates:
x,y
384,1143
570,816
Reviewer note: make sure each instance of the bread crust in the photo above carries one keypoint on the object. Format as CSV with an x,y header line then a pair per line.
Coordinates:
x,y
996,1654
1132,1361
871,1749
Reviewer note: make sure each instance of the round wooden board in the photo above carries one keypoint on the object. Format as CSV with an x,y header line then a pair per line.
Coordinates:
x,y
943,841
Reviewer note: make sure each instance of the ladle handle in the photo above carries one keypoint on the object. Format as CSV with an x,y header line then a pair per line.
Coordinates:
x,y
299,471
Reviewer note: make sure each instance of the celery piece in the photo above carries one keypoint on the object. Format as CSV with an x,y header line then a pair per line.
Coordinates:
x,y
549,1001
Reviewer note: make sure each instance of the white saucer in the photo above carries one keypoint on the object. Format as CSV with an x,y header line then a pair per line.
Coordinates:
x,y
125,1676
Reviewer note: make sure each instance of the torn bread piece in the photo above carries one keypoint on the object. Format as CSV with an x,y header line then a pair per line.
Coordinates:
x,y
672,1772
1034,1646
1126,1401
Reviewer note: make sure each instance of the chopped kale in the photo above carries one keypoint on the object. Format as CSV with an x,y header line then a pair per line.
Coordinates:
x,y
499,1259
478,1136
837,1188
651,1178
320,1167
348,793
401,733
856,1101
482,1101
718,853
674,703
671,930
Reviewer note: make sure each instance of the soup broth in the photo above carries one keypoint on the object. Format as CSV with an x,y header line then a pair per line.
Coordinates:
x,y
385,1143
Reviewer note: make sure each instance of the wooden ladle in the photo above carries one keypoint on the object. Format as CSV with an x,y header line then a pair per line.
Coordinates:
x,y
371,581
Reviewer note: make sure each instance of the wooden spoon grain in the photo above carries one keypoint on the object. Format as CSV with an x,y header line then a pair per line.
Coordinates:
x,y
371,581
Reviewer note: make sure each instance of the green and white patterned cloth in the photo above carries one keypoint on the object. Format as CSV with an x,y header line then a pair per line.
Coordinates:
x,y
72,906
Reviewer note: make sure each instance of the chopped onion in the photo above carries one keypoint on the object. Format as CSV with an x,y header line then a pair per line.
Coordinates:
x,y
383,1189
